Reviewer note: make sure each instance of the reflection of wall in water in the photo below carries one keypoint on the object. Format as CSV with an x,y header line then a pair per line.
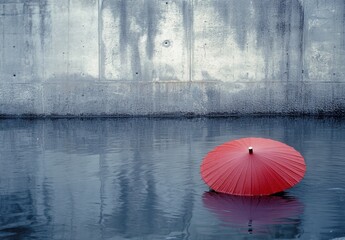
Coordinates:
x,y
116,168
21,192
81,176
17,212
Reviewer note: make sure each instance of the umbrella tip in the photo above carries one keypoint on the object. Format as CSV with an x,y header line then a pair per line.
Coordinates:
x,y
250,150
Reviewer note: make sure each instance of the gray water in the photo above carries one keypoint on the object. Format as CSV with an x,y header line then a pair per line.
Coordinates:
x,y
139,179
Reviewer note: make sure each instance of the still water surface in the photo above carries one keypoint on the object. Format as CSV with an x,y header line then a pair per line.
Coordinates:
x,y
139,179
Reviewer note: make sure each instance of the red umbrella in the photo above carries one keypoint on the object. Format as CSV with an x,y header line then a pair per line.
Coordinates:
x,y
253,213
252,167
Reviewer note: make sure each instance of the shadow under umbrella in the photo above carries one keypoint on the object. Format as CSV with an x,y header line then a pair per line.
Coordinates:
x,y
255,214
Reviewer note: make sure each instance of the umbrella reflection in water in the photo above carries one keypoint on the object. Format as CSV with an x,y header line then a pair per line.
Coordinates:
x,y
255,214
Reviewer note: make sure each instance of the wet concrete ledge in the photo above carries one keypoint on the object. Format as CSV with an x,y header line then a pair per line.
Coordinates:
x,y
209,98
321,115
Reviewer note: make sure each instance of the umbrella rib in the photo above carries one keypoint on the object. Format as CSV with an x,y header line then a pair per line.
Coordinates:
x,y
215,176
281,168
231,173
267,181
251,175
243,170
276,174
227,176
289,156
289,175
218,166
215,158
288,167
213,181
274,160
238,179
289,171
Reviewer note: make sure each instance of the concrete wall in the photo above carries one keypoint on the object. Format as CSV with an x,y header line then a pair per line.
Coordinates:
x,y
98,57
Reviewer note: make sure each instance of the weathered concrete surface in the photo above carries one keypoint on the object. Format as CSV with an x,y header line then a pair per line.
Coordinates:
x,y
109,57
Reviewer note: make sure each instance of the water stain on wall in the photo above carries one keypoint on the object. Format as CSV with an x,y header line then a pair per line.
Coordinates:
x,y
132,28
277,25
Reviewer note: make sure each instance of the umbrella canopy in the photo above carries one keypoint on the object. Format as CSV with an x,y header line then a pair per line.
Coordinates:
x,y
252,167
255,214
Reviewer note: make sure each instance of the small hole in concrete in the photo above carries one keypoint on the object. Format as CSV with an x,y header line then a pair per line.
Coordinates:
x,y
14,75
166,2
137,73
14,46
166,43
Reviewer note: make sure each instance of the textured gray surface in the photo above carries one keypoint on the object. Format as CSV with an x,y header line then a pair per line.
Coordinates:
x,y
110,57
